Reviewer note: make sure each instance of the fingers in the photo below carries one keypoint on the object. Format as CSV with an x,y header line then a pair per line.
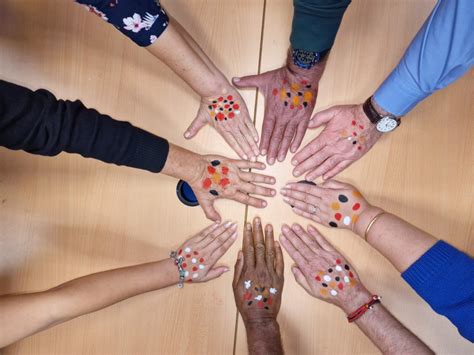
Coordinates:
x,y
301,197
194,127
248,200
323,117
229,138
328,164
300,132
222,244
246,132
256,189
320,239
306,238
337,169
313,190
222,232
275,141
334,184
279,264
308,151
285,143
301,279
269,247
247,247
258,243
248,81
302,206
210,211
302,213
252,129
314,161
239,265
215,272
248,153
299,245
267,131
258,178
292,251
244,164
202,234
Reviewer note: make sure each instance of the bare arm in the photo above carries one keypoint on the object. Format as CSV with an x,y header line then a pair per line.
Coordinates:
x,y
26,314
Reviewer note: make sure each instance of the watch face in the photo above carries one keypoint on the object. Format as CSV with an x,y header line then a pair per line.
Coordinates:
x,y
386,124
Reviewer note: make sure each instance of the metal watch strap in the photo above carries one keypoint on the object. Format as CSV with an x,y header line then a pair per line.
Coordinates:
x,y
370,111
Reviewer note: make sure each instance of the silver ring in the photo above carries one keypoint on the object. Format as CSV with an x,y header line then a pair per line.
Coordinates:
x,y
314,209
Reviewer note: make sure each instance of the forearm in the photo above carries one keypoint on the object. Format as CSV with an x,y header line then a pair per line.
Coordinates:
x,y
23,315
182,54
183,164
399,241
263,337
383,329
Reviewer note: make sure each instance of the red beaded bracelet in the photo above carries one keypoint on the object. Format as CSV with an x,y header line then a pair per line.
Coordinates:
x,y
364,308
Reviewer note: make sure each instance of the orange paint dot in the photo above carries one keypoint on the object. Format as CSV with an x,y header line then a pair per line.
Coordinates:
x,y
323,292
356,193
308,96
296,100
354,218
335,206
216,178
295,87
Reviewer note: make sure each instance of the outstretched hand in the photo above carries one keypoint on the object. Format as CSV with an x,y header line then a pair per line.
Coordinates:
x,y
347,136
290,96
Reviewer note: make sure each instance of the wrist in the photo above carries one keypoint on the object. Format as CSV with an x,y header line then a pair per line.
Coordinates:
x,y
313,73
170,270
379,108
184,164
214,85
356,298
261,323
364,219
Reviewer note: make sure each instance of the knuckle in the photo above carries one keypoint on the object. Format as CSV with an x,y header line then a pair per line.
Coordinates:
x,y
260,248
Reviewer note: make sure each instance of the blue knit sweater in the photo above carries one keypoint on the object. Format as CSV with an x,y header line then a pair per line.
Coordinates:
x,y
444,277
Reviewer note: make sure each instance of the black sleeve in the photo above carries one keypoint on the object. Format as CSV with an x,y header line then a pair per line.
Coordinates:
x,y
38,123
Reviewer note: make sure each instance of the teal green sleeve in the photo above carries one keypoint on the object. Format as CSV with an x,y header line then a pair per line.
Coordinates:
x,y
316,22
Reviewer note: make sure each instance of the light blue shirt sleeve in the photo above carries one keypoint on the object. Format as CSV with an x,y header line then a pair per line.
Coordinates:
x,y
441,52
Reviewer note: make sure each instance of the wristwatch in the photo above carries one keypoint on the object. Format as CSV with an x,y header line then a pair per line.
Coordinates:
x,y
383,123
307,59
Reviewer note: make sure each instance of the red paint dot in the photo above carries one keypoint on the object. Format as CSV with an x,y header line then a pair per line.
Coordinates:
x,y
201,260
359,148
226,106
196,253
206,184
190,280
215,106
304,82
318,278
354,134
188,255
180,251
356,206
247,296
224,182
361,127
340,286
351,274
275,92
260,304
292,106
184,265
270,301
338,216
195,268
231,115
220,116
225,170
338,261
220,99
353,123
211,169
300,107
229,97
235,106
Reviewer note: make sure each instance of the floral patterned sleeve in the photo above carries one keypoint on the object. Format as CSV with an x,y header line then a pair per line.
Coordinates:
x,y
143,21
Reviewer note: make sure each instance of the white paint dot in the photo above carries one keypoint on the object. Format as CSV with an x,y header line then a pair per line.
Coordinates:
x,y
247,284
334,292
347,220
195,275
193,260
327,278
259,297
186,274
273,291
237,112
346,279
338,268
187,250
201,267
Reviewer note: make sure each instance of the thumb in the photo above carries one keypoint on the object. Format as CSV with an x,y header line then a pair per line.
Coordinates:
x,y
300,279
215,272
211,212
239,264
247,81
322,117
195,126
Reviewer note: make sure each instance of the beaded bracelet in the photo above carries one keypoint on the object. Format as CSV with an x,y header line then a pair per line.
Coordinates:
x,y
178,260
359,312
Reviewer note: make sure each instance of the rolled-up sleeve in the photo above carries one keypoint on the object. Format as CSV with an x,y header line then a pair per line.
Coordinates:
x,y
143,21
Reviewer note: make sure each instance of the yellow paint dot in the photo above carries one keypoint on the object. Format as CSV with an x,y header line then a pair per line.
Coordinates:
x,y
362,140
283,95
216,178
335,206
323,292
308,96
295,87
353,282
354,219
343,133
212,113
296,100
356,193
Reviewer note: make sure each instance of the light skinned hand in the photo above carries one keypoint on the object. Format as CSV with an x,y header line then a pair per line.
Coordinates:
x,y
347,136
321,270
227,112
332,203
221,177
258,278
202,252
290,96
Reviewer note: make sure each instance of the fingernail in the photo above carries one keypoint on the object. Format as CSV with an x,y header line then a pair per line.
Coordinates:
x,y
187,134
272,180
248,226
234,236
263,151
228,224
285,228
264,204
236,80
226,269
288,186
283,191
269,227
296,226
286,199
257,220
296,173
246,157
273,192
234,226
271,161
294,162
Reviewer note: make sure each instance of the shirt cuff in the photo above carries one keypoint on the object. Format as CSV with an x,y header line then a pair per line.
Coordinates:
x,y
151,152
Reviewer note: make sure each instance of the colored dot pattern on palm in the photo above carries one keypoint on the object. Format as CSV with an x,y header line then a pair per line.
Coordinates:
x,y
335,279
356,135
295,95
224,108
192,264
338,206
258,296
217,177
